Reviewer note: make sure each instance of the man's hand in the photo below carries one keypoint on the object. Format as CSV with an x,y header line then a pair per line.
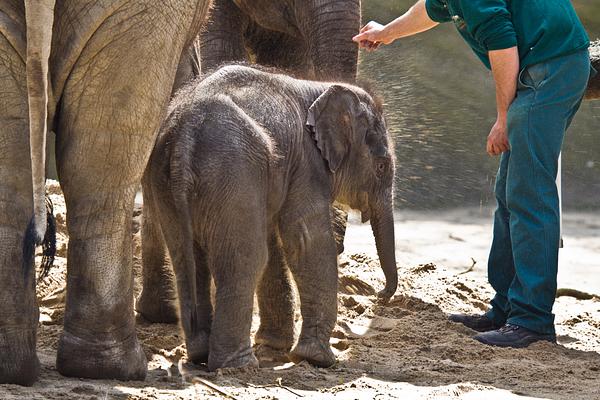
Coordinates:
x,y
371,36
497,142
415,20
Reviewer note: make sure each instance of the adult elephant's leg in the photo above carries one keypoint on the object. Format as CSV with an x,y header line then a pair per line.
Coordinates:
x,y
111,107
18,308
158,300
276,301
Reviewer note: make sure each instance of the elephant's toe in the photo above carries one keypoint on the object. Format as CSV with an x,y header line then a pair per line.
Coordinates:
x,y
109,359
316,353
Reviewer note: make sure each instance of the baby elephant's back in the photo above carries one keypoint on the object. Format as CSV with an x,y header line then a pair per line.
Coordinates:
x,y
211,142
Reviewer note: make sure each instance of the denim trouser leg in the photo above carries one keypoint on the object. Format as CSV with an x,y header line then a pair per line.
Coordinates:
x,y
501,270
526,225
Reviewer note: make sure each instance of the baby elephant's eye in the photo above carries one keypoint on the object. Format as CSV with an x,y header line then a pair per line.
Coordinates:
x,y
380,167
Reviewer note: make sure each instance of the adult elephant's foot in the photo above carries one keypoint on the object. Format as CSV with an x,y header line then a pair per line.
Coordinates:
x,y
124,360
197,347
19,363
244,358
157,309
316,352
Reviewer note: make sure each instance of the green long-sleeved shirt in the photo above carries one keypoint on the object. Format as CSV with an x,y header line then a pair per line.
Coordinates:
x,y
541,29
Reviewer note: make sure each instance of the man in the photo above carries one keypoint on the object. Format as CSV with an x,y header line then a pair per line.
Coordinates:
x,y
537,51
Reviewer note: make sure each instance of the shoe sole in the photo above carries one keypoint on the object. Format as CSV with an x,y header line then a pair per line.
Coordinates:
x,y
516,345
492,328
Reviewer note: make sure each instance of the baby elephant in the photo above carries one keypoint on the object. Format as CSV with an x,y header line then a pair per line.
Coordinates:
x,y
242,179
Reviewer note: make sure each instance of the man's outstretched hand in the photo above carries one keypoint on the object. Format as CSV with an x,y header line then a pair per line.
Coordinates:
x,y
415,20
372,36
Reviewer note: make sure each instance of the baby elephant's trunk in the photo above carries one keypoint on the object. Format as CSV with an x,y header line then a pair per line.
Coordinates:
x,y
382,223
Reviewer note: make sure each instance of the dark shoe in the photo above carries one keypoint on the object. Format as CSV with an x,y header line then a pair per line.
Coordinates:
x,y
513,336
479,323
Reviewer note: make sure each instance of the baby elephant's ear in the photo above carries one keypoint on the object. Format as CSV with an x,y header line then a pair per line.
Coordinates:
x,y
333,119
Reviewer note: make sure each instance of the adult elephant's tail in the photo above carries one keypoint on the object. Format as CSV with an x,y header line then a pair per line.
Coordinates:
x,y
39,17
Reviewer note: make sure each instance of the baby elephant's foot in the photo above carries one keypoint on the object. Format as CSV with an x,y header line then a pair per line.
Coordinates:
x,y
107,359
197,348
240,359
313,351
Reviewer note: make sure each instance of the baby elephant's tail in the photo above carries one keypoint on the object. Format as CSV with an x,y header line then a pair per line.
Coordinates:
x,y
185,266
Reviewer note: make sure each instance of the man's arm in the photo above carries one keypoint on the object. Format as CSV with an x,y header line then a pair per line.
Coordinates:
x,y
415,20
505,69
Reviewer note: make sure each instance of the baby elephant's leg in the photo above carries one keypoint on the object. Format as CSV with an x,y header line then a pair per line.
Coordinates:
x,y
197,346
236,265
311,253
192,275
276,301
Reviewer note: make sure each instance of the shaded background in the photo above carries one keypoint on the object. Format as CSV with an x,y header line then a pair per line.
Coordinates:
x,y
440,105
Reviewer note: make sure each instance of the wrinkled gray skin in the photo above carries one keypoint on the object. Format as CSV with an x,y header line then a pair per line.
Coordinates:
x,y
310,38
105,99
242,179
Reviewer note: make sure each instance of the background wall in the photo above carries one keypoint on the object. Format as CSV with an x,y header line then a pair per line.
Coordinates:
x,y
440,106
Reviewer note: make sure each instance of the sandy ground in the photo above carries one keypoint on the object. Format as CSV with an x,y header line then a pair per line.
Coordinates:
x,y
403,349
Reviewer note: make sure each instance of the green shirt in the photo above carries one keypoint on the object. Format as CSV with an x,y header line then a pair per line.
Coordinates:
x,y
541,29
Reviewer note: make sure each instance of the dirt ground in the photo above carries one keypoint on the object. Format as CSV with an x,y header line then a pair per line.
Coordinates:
x,y
403,349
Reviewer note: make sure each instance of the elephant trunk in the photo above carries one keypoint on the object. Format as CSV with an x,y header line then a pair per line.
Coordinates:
x,y
382,223
39,16
222,39
330,27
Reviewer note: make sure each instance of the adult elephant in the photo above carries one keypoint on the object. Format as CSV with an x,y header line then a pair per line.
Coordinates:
x,y
70,66
312,39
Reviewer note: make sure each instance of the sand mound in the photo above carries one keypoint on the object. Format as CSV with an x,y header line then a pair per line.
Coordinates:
x,y
404,348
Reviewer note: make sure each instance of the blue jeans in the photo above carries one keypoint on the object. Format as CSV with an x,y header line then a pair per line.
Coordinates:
x,y
523,261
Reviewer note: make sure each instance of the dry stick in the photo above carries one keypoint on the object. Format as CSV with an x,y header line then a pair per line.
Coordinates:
x,y
470,268
579,295
214,387
278,385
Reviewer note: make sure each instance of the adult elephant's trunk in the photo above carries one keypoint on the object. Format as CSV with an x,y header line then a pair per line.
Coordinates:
x,y
382,223
329,28
39,15
222,39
